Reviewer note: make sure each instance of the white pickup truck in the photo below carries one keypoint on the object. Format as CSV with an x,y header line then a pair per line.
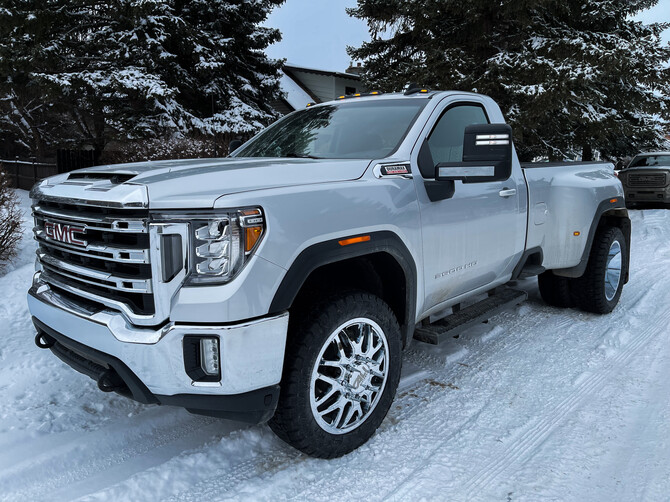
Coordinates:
x,y
282,283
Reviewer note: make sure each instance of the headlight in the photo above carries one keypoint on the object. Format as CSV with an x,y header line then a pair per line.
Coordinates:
x,y
221,242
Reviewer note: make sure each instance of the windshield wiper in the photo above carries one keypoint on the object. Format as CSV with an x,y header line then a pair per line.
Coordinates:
x,y
295,155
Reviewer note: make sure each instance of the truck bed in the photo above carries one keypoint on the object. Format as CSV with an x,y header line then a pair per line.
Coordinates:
x,y
535,165
562,200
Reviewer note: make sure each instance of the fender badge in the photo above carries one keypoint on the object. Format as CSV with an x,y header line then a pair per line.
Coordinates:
x,y
395,169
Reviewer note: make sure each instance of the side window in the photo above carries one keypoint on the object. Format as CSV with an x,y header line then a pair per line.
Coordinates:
x,y
446,140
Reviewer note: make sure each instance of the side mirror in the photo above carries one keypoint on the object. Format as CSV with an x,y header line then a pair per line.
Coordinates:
x,y
234,145
487,156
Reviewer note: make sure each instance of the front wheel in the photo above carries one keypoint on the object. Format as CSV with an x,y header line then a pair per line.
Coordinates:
x,y
341,373
599,289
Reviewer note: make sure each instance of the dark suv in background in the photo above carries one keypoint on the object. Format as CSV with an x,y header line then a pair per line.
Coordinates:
x,y
647,179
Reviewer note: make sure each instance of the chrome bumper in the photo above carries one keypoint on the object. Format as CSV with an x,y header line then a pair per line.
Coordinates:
x,y
252,352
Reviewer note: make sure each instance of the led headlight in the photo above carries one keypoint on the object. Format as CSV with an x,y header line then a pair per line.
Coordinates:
x,y
221,244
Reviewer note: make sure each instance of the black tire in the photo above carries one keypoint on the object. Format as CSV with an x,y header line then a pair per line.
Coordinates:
x,y
294,421
589,290
555,290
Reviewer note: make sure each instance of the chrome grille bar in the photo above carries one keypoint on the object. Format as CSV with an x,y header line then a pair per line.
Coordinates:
x,y
108,253
66,285
94,277
91,221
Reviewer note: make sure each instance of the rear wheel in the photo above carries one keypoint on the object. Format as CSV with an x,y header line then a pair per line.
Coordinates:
x,y
599,289
555,290
341,374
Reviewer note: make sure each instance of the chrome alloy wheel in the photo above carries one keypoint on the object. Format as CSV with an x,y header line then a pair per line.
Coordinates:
x,y
349,376
613,270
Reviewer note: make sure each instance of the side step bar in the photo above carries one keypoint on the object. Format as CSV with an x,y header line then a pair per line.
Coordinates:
x,y
462,320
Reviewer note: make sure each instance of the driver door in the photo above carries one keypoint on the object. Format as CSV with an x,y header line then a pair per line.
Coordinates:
x,y
471,235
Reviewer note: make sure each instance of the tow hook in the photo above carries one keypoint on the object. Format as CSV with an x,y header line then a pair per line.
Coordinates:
x,y
44,341
109,381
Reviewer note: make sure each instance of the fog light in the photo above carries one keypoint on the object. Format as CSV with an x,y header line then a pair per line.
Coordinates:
x,y
202,358
209,356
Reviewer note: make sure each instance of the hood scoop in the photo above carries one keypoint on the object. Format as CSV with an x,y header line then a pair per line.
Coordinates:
x,y
84,178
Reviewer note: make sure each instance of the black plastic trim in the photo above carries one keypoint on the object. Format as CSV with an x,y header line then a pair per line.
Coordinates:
x,y
524,259
254,407
325,253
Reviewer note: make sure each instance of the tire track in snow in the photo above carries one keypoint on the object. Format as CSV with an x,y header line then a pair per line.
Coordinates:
x,y
94,459
523,447
221,482
550,418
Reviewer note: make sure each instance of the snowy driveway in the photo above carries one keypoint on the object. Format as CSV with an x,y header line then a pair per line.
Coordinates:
x,y
538,404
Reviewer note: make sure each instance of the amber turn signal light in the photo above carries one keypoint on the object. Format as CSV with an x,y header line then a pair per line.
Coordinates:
x,y
354,240
251,237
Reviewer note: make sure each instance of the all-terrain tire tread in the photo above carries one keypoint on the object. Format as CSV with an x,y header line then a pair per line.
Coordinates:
x,y
292,421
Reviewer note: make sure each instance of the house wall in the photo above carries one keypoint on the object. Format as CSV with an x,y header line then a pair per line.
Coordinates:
x,y
326,87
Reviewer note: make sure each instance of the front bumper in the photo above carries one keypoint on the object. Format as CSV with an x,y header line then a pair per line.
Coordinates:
x,y
651,194
151,361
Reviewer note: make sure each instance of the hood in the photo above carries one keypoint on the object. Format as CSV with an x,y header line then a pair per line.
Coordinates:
x,y
637,169
198,183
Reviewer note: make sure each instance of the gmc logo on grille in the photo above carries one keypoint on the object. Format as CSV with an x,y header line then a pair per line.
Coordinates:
x,y
69,234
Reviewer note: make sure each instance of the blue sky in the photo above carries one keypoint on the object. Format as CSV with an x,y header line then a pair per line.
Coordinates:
x,y
316,32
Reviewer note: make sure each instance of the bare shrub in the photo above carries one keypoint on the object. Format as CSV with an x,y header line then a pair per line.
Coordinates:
x,y
159,149
193,146
10,221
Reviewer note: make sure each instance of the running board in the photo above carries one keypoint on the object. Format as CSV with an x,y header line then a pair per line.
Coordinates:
x,y
462,320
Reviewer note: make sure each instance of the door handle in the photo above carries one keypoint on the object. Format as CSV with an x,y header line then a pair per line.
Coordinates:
x,y
507,192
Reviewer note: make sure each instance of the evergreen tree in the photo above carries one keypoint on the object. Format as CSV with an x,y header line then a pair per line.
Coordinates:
x,y
129,69
570,76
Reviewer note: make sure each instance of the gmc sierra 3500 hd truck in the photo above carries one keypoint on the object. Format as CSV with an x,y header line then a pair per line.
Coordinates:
x,y
282,283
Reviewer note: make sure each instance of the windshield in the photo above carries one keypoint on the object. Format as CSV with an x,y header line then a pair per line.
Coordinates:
x,y
353,130
651,161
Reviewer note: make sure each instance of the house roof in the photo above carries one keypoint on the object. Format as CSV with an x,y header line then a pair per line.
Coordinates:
x,y
296,93
316,71
296,96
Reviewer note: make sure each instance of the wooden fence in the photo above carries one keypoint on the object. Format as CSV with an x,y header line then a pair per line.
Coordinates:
x,y
24,174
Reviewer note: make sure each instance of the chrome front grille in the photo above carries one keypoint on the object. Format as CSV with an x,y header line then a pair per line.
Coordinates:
x,y
104,252
646,180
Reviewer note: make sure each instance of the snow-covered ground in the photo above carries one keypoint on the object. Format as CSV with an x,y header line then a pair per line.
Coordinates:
x,y
538,404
